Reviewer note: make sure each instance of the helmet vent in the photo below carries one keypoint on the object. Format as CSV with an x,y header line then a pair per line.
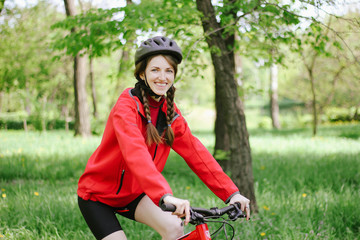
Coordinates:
x,y
171,43
157,42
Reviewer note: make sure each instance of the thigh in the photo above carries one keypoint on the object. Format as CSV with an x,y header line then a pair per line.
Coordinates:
x,y
99,217
162,222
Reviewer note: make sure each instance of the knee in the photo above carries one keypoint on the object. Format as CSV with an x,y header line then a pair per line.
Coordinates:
x,y
173,230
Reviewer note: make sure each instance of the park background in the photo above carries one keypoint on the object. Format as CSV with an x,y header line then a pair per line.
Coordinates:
x,y
297,73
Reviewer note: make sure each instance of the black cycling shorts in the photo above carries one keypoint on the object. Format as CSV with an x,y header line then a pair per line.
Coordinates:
x,y
101,218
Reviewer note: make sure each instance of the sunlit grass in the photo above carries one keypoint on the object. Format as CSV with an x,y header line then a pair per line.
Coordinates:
x,y
306,188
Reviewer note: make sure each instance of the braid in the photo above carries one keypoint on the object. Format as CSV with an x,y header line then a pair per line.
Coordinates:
x,y
152,135
169,134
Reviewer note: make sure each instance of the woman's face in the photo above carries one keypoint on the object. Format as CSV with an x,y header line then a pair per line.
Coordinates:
x,y
159,74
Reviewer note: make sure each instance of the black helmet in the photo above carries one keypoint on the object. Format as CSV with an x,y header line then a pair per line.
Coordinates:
x,y
158,45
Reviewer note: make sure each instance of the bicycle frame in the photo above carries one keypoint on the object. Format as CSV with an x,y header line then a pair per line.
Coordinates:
x,y
201,232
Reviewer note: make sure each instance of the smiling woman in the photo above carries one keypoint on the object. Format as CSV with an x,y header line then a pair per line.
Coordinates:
x,y
124,173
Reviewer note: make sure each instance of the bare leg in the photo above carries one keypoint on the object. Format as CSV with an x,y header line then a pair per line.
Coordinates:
x,y
169,226
118,235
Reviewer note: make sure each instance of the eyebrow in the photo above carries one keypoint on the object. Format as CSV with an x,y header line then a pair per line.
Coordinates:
x,y
154,66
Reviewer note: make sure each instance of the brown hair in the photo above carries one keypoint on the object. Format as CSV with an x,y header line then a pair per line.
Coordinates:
x,y
152,135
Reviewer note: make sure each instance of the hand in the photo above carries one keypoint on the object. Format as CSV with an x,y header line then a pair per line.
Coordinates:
x,y
182,207
244,203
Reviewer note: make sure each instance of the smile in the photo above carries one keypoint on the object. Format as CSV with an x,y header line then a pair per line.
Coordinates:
x,y
161,84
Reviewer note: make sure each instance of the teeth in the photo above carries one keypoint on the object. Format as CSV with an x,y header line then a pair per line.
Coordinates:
x,y
161,84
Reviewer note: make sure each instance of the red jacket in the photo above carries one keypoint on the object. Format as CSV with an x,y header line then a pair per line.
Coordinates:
x,y
123,166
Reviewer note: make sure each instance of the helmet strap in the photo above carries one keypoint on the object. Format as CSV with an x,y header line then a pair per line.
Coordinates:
x,y
145,85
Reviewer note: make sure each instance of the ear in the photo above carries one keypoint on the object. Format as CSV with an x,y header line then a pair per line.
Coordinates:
x,y
142,76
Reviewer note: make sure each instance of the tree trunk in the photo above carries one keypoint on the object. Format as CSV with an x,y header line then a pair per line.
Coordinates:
x,y
43,115
230,112
310,71
274,105
82,118
93,89
1,99
313,104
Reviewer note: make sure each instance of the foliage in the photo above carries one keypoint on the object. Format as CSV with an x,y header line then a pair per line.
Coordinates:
x,y
28,76
333,68
30,81
304,185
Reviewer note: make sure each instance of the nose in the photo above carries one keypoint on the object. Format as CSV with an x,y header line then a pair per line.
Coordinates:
x,y
162,75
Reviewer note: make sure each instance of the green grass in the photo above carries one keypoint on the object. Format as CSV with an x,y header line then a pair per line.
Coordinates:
x,y
306,188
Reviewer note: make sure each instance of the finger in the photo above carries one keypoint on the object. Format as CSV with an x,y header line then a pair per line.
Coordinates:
x,y
187,213
180,211
243,206
247,209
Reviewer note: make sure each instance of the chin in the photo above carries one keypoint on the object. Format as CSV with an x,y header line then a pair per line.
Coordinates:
x,y
161,93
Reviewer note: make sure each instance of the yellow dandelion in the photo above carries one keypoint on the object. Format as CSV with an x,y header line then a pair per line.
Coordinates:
x,y
273,213
266,208
3,190
1,236
262,234
3,195
304,195
188,187
262,167
36,193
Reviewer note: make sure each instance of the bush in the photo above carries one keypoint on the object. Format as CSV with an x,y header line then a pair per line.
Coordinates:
x,y
16,121
340,114
13,120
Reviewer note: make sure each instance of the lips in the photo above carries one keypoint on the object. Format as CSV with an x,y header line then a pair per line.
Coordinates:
x,y
161,84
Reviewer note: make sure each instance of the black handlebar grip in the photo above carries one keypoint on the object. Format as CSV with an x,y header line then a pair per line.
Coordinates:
x,y
168,207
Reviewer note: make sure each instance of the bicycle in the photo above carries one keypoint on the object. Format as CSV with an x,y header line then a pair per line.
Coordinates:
x,y
201,216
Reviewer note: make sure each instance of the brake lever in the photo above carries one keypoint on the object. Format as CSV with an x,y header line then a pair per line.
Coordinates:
x,y
236,213
196,218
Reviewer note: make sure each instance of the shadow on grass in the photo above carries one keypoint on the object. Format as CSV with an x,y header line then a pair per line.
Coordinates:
x,y
52,167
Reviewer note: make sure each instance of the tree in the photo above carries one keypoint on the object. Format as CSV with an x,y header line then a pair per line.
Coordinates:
x,y
82,120
274,104
326,55
230,121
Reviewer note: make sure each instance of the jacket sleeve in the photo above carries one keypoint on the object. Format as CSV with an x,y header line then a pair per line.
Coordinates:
x,y
135,152
201,161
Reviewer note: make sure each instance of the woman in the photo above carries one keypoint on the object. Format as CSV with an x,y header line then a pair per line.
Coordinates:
x,y
124,175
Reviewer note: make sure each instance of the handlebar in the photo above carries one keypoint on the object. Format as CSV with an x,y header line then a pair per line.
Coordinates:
x,y
198,215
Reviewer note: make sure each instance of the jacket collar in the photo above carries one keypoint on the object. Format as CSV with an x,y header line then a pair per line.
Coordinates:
x,y
161,124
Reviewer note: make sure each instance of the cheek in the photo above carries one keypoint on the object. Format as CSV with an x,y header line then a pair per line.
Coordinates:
x,y
171,76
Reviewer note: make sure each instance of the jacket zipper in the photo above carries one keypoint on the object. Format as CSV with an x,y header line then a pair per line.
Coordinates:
x,y
121,181
155,152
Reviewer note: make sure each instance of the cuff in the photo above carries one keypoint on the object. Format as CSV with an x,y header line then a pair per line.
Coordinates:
x,y
162,198
228,200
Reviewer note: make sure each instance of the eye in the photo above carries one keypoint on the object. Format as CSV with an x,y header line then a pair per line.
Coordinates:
x,y
154,70
170,71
